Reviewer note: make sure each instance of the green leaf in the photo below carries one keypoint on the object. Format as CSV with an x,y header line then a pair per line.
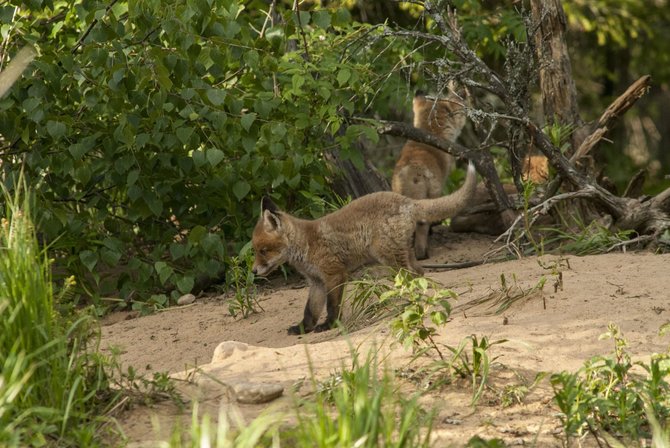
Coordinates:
x,y
241,189
178,250
78,150
247,120
184,134
302,20
277,150
212,245
196,234
185,284
438,317
31,103
132,177
251,59
153,202
214,156
321,18
164,271
56,129
212,267
110,257
343,76
297,81
89,259
142,139
216,96
278,130
198,158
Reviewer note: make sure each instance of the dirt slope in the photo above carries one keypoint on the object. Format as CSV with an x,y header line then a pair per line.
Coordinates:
x,y
548,332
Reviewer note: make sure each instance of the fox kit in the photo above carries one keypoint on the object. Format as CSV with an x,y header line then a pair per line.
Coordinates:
x,y
421,170
376,228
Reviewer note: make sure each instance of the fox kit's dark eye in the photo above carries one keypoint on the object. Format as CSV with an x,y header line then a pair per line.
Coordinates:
x,y
263,251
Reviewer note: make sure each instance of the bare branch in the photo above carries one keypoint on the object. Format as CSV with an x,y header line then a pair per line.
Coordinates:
x,y
618,107
481,158
92,25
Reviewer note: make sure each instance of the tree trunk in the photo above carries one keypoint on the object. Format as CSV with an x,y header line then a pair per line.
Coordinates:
x,y
354,182
559,93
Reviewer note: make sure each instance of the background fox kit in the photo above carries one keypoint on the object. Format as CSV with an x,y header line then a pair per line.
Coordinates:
x,y
376,228
421,170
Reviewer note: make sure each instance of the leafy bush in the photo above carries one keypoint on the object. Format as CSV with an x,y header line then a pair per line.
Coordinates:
x,y
149,130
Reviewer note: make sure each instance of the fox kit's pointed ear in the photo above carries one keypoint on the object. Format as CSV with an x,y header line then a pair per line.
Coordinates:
x,y
267,204
271,220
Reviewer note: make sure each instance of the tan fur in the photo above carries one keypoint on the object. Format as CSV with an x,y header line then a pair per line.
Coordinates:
x,y
535,168
376,228
421,170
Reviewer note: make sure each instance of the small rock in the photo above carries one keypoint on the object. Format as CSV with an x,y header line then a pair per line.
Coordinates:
x,y
186,299
256,393
452,421
226,349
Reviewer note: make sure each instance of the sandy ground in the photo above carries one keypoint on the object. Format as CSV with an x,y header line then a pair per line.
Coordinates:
x,y
557,329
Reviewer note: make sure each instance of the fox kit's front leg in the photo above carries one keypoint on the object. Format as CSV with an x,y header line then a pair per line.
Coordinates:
x,y
315,301
321,292
335,287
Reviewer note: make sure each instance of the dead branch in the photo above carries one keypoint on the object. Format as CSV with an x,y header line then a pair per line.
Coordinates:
x,y
531,216
624,244
448,266
482,159
634,188
606,121
662,201
615,110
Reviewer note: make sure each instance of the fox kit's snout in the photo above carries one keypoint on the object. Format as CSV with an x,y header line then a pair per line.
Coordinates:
x,y
376,228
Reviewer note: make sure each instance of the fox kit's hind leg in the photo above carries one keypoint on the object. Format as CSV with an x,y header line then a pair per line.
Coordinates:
x,y
403,259
421,240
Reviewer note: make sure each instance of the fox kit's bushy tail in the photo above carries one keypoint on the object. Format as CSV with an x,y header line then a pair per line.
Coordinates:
x,y
434,210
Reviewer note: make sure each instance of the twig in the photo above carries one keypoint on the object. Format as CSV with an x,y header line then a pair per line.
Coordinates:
x,y
624,244
446,266
296,8
536,211
174,308
80,42
268,18
146,36
482,159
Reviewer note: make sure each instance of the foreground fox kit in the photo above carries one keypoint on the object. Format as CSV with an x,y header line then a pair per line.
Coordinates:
x,y
421,170
376,228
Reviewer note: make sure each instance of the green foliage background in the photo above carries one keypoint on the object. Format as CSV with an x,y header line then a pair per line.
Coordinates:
x,y
150,140
150,129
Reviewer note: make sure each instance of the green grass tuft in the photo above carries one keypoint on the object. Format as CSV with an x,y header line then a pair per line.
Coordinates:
x,y
51,388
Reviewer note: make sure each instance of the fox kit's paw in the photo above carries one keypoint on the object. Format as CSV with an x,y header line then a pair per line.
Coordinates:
x,y
323,327
295,330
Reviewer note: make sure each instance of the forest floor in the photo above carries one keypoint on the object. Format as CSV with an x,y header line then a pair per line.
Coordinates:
x,y
551,331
